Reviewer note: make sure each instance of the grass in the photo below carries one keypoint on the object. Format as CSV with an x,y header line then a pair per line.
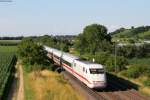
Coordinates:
x,y
14,41
8,48
29,94
144,61
48,85
139,61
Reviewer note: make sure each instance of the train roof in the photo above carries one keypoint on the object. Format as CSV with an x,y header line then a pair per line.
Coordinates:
x,y
57,52
88,63
49,49
69,57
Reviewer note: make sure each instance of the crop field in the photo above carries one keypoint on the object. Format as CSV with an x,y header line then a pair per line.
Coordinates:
x,y
10,49
7,62
8,46
9,42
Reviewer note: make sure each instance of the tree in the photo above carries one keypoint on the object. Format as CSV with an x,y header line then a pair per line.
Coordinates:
x,y
121,63
32,53
91,38
80,44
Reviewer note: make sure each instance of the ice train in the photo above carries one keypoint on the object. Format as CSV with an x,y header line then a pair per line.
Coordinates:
x,y
91,74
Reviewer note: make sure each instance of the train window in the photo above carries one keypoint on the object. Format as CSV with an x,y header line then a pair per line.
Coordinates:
x,y
96,71
56,57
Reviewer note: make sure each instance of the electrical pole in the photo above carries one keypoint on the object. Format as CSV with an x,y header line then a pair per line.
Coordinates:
x,y
115,57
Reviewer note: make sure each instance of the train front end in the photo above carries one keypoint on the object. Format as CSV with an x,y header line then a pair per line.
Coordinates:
x,y
97,76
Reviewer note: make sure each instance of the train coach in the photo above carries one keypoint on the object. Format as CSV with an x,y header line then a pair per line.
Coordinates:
x,y
90,73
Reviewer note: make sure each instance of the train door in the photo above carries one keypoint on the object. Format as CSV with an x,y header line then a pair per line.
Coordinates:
x,y
74,68
84,72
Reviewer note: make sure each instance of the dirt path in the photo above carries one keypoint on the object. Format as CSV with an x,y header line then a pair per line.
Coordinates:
x,y
20,95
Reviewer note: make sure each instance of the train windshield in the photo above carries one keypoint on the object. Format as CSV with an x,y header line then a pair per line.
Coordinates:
x,y
96,71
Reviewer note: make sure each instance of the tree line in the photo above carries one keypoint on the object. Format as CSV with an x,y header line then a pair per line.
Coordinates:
x,y
94,42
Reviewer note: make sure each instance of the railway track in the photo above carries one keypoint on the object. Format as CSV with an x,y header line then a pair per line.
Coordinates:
x,y
114,91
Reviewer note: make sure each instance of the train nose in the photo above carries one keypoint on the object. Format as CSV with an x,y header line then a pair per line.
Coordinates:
x,y
99,84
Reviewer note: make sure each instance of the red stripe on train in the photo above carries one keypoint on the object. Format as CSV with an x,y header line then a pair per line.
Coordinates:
x,y
68,67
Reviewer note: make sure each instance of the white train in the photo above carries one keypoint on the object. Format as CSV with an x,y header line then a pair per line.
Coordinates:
x,y
92,74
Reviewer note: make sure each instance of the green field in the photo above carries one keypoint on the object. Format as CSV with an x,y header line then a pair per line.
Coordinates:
x,y
8,48
7,62
141,61
14,41
9,42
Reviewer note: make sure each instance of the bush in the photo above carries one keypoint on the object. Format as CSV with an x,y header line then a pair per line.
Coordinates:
x,y
101,57
124,73
33,55
108,60
121,63
110,64
134,71
147,82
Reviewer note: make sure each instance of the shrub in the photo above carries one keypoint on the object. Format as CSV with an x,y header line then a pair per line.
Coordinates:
x,y
121,63
134,71
124,73
110,65
101,57
147,82
108,60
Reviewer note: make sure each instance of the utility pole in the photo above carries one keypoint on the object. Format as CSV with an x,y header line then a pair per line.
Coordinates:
x,y
115,57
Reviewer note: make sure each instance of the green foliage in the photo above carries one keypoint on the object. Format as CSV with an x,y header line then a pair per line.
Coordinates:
x,y
134,71
108,60
145,35
54,42
64,47
131,51
9,42
101,57
121,63
132,32
94,38
147,82
79,44
32,54
139,61
110,64
118,31
8,49
47,40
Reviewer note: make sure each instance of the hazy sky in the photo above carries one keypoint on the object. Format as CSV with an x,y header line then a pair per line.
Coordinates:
x,y
37,17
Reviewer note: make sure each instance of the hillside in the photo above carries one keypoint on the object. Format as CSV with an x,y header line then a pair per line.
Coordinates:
x,y
142,32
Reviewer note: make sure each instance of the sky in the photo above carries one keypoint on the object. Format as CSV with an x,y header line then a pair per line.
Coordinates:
x,y
69,17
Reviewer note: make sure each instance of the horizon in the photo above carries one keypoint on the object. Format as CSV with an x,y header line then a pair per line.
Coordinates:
x,y
35,18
